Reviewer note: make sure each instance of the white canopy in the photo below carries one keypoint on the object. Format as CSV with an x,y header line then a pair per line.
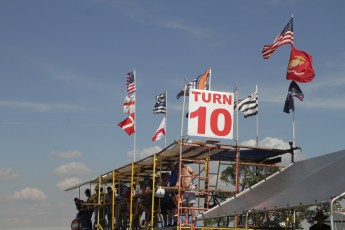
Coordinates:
x,y
307,182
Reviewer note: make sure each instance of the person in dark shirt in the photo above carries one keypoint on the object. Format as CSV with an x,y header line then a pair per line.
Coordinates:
x,y
172,207
82,214
320,222
89,208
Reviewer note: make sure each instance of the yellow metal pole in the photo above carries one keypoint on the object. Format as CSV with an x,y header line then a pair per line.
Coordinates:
x,y
113,203
153,189
131,201
98,225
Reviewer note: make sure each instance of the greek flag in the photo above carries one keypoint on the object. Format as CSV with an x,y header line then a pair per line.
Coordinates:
x,y
248,105
160,106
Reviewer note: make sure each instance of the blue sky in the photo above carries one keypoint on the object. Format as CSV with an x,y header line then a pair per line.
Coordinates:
x,y
62,85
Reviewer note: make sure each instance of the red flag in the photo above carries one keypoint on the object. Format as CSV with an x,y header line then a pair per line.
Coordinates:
x,y
300,66
128,125
160,131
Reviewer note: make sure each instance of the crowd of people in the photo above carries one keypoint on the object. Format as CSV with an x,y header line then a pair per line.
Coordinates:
x,y
92,213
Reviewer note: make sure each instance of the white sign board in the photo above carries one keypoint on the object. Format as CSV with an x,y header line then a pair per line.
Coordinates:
x,y
210,114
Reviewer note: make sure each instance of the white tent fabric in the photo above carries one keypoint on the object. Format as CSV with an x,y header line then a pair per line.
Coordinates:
x,y
307,182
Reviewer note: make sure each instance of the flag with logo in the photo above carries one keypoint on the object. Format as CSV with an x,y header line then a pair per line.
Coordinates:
x,y
248,105
293,91
160,131
300,67
131,88
160,106
128,125
201,82
283,38
129,104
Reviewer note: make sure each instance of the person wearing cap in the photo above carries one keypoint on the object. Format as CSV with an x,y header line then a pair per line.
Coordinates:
x,y
173,202
82,214
109,197
320,222
89,207
94,199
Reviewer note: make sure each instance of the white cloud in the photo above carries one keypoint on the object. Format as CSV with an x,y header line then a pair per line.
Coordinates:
x,y
28,194
269,142
39,107
140,154
68,182
71,168
66,155
8,174
276,143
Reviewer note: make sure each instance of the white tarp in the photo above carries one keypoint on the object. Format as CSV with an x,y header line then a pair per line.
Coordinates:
x,y
307,182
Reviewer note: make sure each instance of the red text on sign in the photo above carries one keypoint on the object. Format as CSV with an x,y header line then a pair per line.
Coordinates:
x,y
214,98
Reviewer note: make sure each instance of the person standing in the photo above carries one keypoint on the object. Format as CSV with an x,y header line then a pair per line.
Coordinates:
x,y
89,207
109,198
98,210
320,222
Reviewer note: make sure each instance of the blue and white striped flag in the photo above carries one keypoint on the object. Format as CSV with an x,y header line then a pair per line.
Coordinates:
x,y
248,105
160,106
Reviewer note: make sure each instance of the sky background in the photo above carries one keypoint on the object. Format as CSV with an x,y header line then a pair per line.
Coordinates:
x,y
63,82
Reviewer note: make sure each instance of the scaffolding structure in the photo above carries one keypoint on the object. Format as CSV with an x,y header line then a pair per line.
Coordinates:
x,y
196,154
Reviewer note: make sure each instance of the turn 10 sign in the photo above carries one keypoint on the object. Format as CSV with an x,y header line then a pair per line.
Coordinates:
x,y
210,114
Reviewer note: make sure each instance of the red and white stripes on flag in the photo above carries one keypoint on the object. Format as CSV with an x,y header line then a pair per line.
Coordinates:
x,y
160,131
285,37
131,88
129,104
128,125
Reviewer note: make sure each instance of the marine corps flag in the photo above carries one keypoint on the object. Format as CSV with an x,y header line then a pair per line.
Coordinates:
x,y
300,67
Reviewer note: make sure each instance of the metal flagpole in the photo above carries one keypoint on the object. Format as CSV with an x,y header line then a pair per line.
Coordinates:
x,y
166,118
179,203
183,105
209,82
237,187
237,152
293,135
257,118
135,116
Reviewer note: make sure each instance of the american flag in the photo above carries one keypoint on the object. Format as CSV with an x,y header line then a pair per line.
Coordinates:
x,y
285,37
131,88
